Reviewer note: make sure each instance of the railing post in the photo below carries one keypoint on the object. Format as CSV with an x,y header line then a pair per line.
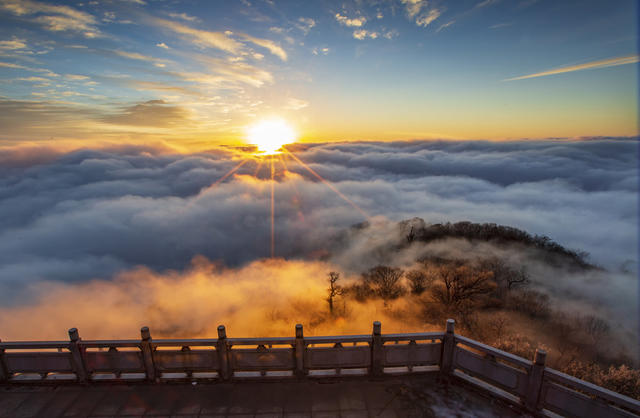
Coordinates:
x,y
299,351
376,350
76,355
147,353
535,381
448,345
223,358
4,373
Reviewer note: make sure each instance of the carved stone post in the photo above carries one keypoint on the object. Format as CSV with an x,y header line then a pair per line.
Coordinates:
x,y
223,358
376,350
76,355
448,345
535,381
4,373
147,353
299,351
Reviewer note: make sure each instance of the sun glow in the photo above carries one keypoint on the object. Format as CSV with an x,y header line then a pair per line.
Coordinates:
x,y
270,135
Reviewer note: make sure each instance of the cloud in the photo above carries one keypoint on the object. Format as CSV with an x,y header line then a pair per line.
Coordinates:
x,y
162,45
150,113
34,79
44,71
305,24
323,51
500,25
54,17
270,45
227,73
486,3
296,104
445,25
414,7
362,34
425,19
77,224
183,16
610,62
140,57
76,77
390,34
13,44
355,22
416,10
203,38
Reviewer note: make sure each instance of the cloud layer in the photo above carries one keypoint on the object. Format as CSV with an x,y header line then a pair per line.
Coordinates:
x,y
68,218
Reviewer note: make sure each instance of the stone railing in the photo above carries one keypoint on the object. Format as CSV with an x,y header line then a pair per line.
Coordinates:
x,y
530,385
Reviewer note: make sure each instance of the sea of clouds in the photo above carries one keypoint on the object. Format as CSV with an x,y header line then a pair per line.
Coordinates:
x,y
75,224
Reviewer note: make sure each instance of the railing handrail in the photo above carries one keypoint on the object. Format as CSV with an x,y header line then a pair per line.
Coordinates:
x,y
512,358
596,390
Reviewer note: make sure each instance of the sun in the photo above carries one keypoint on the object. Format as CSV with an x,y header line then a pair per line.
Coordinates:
x,y
269,135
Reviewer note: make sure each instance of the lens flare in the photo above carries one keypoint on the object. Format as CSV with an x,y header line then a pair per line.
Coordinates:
x,y
270,135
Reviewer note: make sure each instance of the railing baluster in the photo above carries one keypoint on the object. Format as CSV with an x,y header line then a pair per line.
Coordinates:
x,y
147,353
223,357
535,380
76,355
4,373
376,350
448,345
300,351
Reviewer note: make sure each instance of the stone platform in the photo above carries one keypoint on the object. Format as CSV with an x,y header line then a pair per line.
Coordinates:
x,y
415,396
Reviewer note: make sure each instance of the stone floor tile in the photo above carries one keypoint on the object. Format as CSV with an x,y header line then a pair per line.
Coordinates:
x,y
32,405
83,405
9,402
111,403
59,403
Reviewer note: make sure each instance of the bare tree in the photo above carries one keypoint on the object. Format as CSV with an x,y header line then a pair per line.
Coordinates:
x,y
384,281
419,280
462,283
506,277
334,289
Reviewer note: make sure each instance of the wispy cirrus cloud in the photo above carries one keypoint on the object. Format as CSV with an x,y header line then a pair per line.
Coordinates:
x,y
220,40
268,44
140,57
184,16
54,17
44,71
445,25
13,44
225,73
610,62
149,113
203,38
500,25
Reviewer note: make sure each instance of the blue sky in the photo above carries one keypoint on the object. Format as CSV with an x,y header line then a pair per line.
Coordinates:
x,y
192,74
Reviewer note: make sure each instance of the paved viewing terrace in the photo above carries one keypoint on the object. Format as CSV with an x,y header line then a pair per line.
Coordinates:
x,y
385,375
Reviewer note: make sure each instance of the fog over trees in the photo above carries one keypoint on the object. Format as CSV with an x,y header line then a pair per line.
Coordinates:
x,y
497,301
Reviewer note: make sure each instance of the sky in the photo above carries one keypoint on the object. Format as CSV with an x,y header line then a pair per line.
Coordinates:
x,y
192,75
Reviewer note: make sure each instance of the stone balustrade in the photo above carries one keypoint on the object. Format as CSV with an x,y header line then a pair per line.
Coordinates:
x,y
528,384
